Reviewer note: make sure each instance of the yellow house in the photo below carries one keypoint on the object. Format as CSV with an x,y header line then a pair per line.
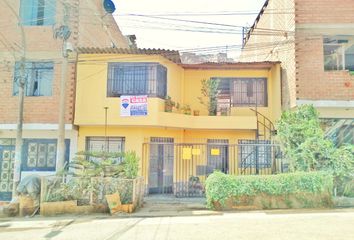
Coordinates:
x,y
120,106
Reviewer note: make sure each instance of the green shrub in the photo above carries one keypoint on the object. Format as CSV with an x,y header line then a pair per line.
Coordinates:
x,y
130,164
220,187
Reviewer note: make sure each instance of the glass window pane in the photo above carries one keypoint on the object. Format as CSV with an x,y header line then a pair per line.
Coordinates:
x,y
136,79
39,78
28,12
338,52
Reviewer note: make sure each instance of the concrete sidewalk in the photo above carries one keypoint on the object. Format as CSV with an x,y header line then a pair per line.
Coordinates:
x,y
170,206
265,225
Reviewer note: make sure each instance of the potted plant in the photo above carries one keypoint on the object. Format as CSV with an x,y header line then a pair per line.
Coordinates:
x,y
169,104
210,93
186,109
178,107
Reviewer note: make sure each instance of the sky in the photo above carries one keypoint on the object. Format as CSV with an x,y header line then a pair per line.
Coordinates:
x,y
155,31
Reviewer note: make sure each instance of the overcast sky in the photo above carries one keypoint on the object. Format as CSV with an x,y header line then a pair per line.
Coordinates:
x,y
150,37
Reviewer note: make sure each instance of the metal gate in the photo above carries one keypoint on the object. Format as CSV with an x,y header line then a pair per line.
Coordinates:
x,y
7,161
161,165
182,168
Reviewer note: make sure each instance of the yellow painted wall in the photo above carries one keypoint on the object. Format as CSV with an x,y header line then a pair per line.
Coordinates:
x,y
135,137
91,88
184,87
192,86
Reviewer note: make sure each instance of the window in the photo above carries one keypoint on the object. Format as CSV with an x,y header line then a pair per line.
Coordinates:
x,y
339,130
243,91
137,79
99,144
40,154
338,52
38,76
37,12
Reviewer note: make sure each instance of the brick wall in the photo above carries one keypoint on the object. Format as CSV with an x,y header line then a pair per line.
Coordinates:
x,y
40,45
315,19
313,83
303,72
277,45
324,11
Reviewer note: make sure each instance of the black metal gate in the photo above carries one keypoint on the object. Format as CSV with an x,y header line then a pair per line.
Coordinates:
x,y
182,168
161,165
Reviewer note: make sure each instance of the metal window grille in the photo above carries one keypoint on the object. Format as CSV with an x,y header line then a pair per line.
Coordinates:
x,y
244,91
255,153
111,144
137,79
38,78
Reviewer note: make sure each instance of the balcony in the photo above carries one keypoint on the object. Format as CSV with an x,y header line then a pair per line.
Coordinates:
x,y
95,116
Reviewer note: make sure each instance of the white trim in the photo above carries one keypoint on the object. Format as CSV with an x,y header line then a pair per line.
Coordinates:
x,y
36,126
327,103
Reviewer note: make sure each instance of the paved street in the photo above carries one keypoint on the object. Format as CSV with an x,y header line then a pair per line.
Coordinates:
x,y
294,224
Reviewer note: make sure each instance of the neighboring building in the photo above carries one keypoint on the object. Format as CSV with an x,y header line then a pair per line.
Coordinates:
x,y
314,40
175,146
193,58
90,26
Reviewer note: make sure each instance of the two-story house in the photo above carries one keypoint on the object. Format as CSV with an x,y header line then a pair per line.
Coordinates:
x,y
29,27
120,106
314,40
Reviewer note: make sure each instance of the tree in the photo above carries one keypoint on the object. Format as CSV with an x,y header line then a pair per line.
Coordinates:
x,y
306,148
302,138
210,91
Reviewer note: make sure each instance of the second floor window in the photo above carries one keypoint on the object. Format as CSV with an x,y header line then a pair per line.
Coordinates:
x,y
338,52
137,79
37,12
38,78
243,91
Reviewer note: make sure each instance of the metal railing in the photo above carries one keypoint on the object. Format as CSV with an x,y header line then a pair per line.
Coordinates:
x,y
182,168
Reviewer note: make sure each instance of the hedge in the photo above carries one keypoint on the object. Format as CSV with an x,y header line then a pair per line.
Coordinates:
x,y
221,187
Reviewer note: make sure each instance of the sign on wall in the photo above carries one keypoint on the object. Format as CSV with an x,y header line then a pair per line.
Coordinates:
x,y
133,106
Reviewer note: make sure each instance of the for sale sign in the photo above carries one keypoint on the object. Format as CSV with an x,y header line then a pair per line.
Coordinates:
x,y
133,106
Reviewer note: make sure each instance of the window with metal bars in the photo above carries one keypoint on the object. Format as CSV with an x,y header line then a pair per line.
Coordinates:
x,y
244,91
38,78
137,79
37,12
102,144
255,153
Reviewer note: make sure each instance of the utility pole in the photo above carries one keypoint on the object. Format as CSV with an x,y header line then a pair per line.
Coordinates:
x,y
105,130
63,32
21,93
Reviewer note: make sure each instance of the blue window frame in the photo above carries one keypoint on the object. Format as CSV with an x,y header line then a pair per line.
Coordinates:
x,y
37,12
38,78
40,154
137,79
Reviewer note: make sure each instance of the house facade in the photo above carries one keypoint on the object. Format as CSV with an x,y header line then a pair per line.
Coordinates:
x,y
314,40
34,28
187,143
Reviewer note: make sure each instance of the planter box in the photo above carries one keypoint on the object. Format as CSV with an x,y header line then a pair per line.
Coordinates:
x,y
54,208
263,201
70,207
